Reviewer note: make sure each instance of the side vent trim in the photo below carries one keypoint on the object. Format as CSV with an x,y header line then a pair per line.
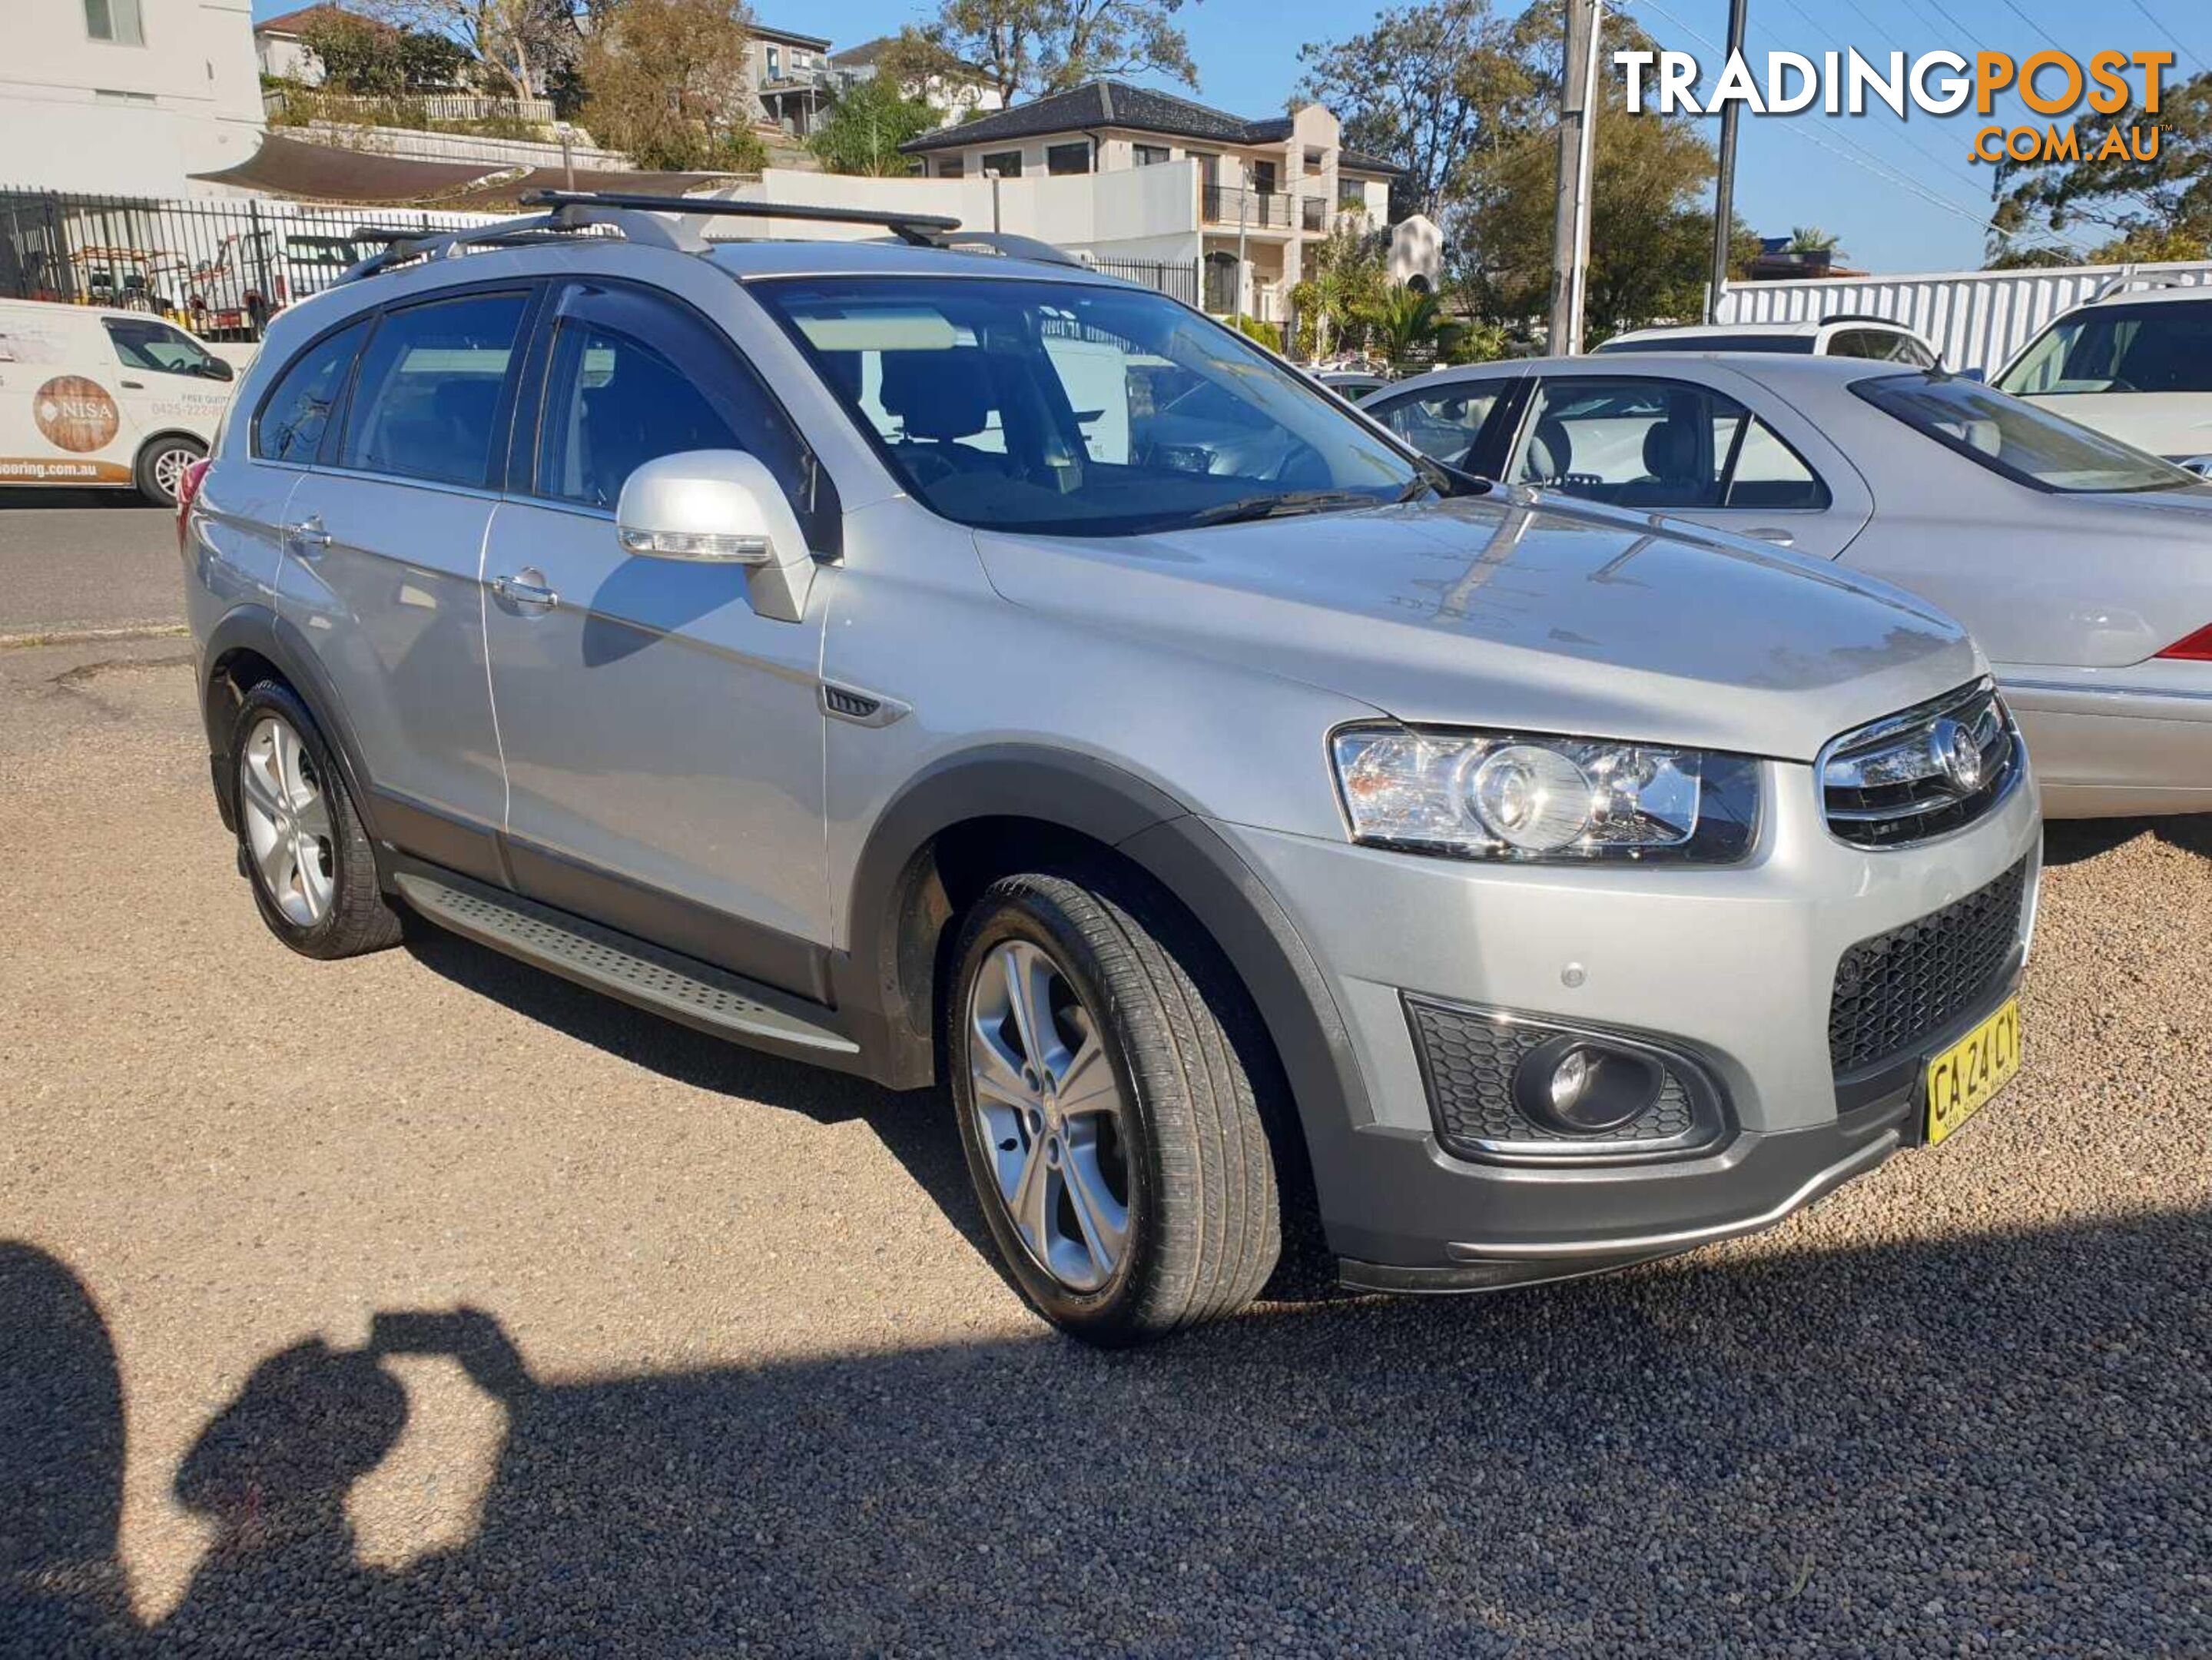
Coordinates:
x,y
862,709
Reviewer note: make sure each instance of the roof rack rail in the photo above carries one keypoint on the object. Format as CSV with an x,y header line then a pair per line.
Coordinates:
x,y
921,229
639,217
404,246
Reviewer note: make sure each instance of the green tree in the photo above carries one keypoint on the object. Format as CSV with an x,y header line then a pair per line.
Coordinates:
x,y
2163,202
1333,305
366,57
1811,238
668,81
1435,86
867,126
1410,327
1028,48
1651,228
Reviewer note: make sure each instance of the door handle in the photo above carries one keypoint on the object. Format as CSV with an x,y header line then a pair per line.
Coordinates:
x,y
1781,538
135,385
518,590
307,538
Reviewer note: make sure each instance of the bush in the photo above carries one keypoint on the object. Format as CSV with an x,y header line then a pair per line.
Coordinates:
x,y
1267,334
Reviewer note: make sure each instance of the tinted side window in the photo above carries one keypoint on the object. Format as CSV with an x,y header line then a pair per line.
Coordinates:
x,y
150,344
296,414
612,403
1663,444
1444,423
430,389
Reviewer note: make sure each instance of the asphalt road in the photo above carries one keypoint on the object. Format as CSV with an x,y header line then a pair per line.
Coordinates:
x,y
75,560
424,1303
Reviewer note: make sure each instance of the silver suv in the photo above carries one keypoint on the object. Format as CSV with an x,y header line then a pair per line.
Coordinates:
x,y
939,663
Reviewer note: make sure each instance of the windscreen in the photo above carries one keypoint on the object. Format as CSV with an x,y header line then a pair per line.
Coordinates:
x,y
1079,410
2164,346
2023,442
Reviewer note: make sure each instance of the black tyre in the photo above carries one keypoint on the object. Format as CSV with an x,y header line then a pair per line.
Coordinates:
x,y
160,472
1109,1122
300,842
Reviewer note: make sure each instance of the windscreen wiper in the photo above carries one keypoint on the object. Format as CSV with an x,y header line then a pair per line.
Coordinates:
x,y
1283,504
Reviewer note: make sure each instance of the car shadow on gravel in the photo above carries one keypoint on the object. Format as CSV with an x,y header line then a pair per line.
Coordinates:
x,y
2070,841
915,1126
1925,1446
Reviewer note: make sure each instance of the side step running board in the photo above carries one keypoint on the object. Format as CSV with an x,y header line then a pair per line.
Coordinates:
x,y
661,982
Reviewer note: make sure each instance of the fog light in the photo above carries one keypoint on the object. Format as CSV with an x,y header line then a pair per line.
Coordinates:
x,y
1577,1087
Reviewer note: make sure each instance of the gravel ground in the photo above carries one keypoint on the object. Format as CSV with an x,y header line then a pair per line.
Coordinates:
x,y
424,1303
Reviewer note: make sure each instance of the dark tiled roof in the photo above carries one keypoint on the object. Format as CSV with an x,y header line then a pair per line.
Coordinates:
x,y
291,23
788,36
1115,104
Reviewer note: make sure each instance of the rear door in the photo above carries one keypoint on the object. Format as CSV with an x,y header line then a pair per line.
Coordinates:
x,y
383,555
663,741
1662,445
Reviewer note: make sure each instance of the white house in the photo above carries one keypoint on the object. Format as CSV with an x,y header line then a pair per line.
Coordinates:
x,y
957,95
1174,180
281,51
127,97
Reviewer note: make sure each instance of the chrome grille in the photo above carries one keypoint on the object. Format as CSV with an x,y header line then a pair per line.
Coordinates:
x,y
1923,772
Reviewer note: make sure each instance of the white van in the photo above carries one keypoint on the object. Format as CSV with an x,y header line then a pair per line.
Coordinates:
x,y
104,398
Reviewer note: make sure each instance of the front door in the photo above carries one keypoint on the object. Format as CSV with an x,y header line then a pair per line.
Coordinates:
x,y
663,741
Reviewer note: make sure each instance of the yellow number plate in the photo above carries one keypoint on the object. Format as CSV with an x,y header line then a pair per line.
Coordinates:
x,y
1970,1072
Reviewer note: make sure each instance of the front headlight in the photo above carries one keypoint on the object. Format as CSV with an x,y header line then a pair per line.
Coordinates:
x,y
1509,795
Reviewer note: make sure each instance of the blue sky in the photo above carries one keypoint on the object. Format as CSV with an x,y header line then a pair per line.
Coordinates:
x,y
1843,173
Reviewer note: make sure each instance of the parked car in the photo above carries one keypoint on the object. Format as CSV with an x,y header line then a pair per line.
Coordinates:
x,y
2135,365
766,634
104,398
1352,385
1844,334
2084,567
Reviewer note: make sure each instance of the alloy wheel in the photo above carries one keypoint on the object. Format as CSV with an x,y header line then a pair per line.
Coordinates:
x,y
286,819
1050,1115
169,468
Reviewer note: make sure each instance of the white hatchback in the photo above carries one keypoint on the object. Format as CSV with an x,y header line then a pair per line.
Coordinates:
x,y
97,398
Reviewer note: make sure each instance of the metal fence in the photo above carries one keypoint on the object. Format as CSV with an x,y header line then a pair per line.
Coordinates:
x,y
1176,278
1976,319
313,102
219,268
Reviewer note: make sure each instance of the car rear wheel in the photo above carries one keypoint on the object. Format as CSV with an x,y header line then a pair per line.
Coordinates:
x,y
300,842
160,473
1109,1122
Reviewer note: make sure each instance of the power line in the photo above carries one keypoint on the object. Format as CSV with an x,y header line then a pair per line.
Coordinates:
x,y
1887,172
2150,18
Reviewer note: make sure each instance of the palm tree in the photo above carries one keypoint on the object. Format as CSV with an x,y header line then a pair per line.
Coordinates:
x,y
1811,238
1406,323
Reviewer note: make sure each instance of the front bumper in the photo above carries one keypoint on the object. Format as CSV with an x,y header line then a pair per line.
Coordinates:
x,y
1735,966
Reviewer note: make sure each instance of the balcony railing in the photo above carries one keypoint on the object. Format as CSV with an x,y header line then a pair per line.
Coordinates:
x,y
1258,209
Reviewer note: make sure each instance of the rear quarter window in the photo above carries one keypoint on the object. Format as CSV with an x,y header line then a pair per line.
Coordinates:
x,y
293,418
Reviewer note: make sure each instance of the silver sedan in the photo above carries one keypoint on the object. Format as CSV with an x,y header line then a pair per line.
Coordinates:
x,y
2082,565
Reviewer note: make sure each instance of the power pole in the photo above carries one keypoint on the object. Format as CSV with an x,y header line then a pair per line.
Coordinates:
x,y
1571,227
1724,183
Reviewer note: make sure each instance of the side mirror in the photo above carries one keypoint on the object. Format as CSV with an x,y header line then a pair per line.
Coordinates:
x,y
720,507
218,368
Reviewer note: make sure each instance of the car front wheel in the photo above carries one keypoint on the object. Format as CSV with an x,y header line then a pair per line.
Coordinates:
x,y
1110,1121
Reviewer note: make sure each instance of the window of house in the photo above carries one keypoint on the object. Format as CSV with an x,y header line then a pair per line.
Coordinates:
x,y
1151,155
1003,164
427,403
116,21
952,169
1067,158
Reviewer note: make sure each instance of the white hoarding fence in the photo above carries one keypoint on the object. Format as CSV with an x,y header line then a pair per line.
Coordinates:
x,y
1977,319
